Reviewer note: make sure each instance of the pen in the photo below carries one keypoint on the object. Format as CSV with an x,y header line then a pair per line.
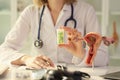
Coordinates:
x,y
93,66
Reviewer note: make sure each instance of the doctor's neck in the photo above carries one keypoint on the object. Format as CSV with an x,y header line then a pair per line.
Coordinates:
x,y
55,5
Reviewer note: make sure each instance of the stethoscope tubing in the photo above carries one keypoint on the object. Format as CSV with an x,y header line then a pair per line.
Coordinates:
x,y
40,21
71,18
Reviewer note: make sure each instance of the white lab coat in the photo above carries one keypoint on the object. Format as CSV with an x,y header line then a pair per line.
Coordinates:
x,y
28,23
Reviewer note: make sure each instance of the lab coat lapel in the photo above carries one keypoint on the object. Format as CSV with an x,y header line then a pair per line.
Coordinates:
x,y
47,28
64,15
48,35
48,17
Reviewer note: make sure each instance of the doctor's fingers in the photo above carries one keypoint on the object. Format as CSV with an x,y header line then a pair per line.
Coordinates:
x,y
75,38
33,65
45,60
72,32
69,31
41,64
48,61
73,35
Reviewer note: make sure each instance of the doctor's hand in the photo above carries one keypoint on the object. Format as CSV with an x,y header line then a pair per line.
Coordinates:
x,y
37,62
74,44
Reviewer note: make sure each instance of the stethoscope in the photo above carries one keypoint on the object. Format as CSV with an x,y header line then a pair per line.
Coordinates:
x,y
39,43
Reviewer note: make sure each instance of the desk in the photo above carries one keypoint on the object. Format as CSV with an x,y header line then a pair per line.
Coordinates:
x,y
95,73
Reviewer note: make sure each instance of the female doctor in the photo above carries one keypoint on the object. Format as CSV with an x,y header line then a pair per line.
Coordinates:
x,y
41,21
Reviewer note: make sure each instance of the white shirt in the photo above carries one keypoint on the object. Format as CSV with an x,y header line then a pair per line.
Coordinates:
x,y
28,23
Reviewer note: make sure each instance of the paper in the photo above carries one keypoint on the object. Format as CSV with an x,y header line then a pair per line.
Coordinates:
x,y
3,68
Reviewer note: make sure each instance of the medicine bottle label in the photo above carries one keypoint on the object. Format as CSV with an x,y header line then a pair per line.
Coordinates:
x,y
60,36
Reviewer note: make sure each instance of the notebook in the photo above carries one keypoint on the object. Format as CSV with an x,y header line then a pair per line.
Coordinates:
x,y
112,76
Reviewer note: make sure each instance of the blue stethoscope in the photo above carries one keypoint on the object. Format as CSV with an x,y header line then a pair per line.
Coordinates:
x,y
39,43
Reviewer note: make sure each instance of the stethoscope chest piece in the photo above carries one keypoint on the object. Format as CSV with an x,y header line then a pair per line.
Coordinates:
x,y
38,43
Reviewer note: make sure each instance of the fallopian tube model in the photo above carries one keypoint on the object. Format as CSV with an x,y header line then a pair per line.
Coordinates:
x,y
114,39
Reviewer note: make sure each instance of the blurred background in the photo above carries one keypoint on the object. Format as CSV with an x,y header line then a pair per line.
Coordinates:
x,y
107,11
